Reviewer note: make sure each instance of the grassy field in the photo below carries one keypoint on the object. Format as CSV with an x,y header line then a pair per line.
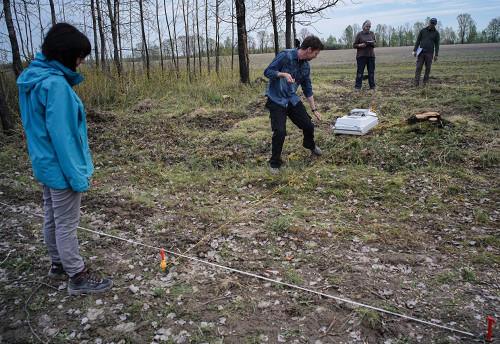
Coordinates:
x,y
405,218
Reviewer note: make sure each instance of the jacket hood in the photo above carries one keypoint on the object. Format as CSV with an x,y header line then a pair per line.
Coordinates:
x,y
40,69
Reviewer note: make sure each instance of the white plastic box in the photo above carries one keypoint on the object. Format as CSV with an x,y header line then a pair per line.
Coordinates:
x,y
357,122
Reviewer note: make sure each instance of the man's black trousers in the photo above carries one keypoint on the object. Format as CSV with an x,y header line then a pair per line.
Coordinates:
x,y
298,115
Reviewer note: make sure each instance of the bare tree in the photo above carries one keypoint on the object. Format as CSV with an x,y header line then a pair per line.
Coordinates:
x,y
28,30
232,35
217,35
303,33
62,9
24,49
94,29
262,40
144,42
174,19
170,37
131,40
294,29
206,36
288,24
198,34
193,42
159,33
52,12
242,42
39,7
118,26
305,8
114,34
17,65
185,15
275,27
101,33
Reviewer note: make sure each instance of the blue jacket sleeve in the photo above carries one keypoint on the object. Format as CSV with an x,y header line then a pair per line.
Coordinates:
x,y
276,66
62,121
307,86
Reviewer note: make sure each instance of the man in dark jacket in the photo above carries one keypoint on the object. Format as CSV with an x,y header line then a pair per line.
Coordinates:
x,y
427,41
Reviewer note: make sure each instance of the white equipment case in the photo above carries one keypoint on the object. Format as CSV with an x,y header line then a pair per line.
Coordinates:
x,y
357,122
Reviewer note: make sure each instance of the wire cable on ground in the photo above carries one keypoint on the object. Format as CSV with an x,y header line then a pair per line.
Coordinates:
x,y
180,255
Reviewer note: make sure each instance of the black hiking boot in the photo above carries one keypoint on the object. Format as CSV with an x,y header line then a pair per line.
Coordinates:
x,y
317,151
83,283
57,271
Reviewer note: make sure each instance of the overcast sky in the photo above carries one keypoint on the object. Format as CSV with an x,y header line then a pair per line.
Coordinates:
x,y
400,12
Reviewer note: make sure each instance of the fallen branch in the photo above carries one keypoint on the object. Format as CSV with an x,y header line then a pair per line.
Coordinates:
x,y
327,332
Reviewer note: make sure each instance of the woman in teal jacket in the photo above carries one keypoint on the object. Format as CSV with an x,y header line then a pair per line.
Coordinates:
x,y
56,130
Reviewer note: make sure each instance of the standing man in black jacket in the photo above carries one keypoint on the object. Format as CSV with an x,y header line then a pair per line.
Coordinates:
x,y
427,40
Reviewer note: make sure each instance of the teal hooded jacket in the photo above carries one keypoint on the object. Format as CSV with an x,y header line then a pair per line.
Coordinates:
x,y
54,121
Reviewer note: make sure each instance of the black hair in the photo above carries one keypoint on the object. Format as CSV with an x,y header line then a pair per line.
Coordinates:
x,y
65,43
313,42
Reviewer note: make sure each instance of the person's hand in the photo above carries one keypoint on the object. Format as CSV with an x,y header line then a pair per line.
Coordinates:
x,y
361,45
435,58
415,53
287,77
317,114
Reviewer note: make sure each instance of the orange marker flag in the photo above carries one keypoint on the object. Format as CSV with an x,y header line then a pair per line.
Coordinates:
x,y
163,264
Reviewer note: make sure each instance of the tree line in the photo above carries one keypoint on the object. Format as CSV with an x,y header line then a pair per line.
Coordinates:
x,y
403,35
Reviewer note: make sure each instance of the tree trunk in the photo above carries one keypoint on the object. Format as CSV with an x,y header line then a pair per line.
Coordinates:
x,y
94,28
117,9
132,41
5,116
29,31
23,47
193,43
175,37
62,10
206,36
170,37
242,42
144,42
39,7
185,15
288,24
217,5
275,28
52,12
198,35
101,33
114,35
294,30
17,65
159,33
232,35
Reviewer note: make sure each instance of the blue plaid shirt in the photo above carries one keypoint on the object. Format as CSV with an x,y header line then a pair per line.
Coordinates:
x,y
279,90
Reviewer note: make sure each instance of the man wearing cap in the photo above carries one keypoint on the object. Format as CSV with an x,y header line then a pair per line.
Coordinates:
x,y
427,40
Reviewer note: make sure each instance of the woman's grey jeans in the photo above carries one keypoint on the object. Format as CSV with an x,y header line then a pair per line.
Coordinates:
x,y
62,213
